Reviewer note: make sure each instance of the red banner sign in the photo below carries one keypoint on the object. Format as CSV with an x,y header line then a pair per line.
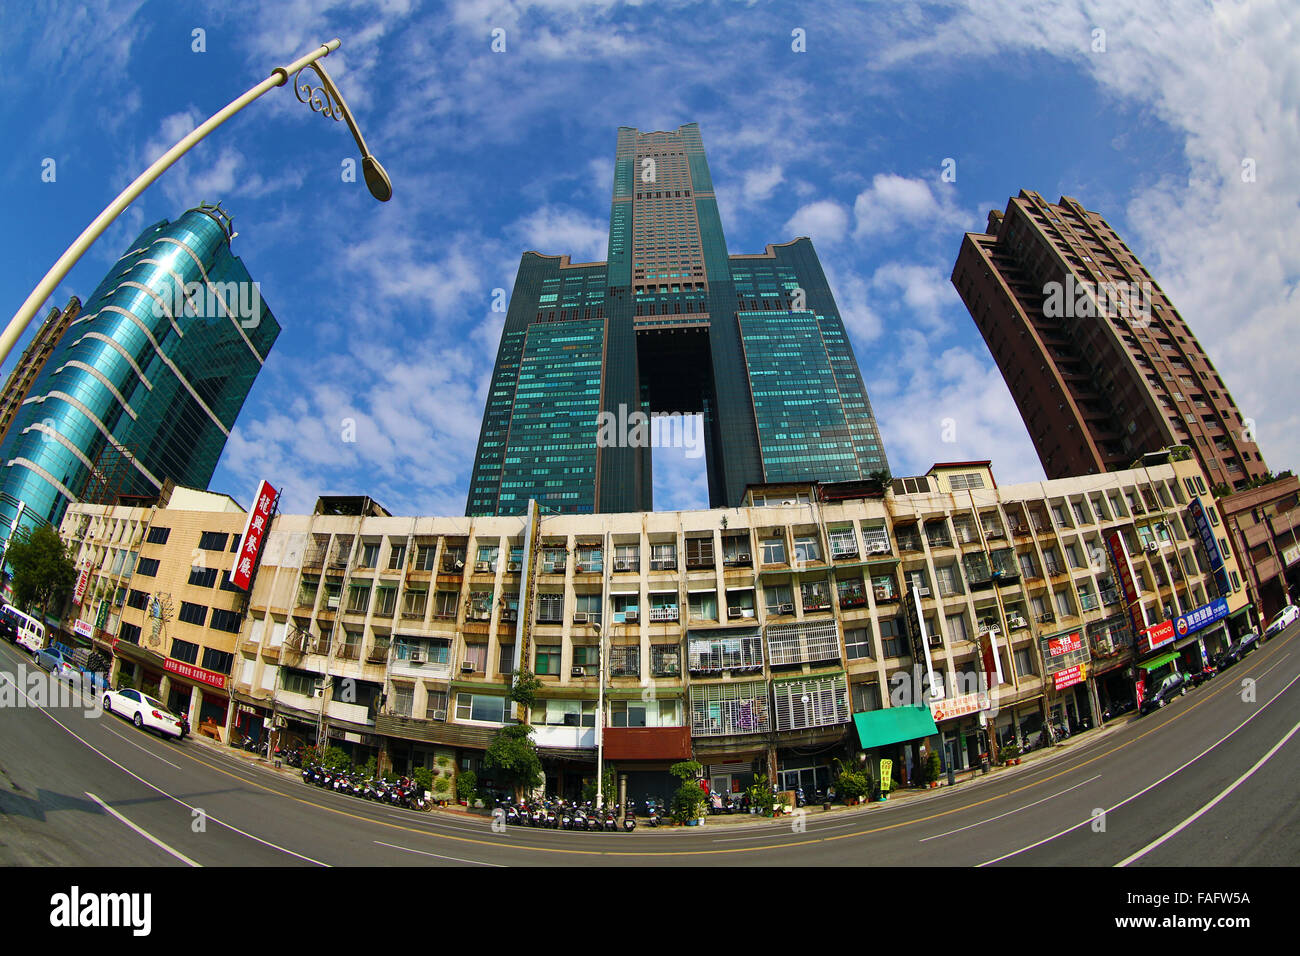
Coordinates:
x,y
1070,676
250,543
1064,645
181,669
82,579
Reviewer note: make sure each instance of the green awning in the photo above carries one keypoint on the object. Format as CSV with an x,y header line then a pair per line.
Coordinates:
x,y
893,725
1160,661
1244,609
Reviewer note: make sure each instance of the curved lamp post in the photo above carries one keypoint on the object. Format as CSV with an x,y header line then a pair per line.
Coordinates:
x,y
323,98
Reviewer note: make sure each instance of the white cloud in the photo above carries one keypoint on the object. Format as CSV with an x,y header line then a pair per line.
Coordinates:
x,y
894,203
824,222
560,230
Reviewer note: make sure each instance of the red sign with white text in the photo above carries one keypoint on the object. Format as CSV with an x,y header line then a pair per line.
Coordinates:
x,y
1156,636
250,543
1064,645
82,579
181,669
1069,677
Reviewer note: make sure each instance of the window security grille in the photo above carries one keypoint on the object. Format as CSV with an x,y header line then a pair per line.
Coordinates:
x,y
625,661
732,708
727,653
803,641
802,704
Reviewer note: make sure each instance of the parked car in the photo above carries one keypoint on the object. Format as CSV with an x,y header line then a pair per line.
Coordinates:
x,y
1285,618
8,627
56,662
1175,685
1237,650
143,711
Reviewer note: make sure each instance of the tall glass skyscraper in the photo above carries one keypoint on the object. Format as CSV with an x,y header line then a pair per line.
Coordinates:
x,y
150,375
669,323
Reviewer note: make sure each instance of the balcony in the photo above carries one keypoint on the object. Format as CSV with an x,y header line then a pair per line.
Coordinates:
x,y
378,653
662,614
843,552
627,564
854,598
348,652
566,738
886,595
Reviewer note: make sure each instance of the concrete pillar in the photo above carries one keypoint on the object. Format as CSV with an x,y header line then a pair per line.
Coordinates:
x,y
1094,702
196,706
230,721
115,672
164,687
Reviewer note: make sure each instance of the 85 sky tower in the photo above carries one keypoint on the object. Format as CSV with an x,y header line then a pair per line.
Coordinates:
x,y
669,323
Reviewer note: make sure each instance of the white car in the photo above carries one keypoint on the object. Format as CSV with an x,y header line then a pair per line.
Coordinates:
x,y
143,711
1285,618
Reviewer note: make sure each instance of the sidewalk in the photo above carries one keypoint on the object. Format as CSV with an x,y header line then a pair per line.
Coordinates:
x,y
734,820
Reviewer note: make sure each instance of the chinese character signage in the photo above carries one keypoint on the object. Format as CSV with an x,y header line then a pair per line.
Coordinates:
x,y
1201,617
83,628
1070,676
181,669
82,579
1155,637
1124,572
250,543
959,706
1064,644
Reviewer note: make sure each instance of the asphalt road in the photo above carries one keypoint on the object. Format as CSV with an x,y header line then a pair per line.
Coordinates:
x,y
1211,780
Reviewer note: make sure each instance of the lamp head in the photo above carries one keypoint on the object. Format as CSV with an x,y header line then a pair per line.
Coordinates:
x,y
377,181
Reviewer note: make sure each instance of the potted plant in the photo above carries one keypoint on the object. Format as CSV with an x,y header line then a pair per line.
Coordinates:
x,y
1011,753
466,785
932,768
761,798
853,786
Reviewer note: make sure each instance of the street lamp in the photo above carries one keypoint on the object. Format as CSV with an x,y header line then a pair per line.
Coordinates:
x,y
324,98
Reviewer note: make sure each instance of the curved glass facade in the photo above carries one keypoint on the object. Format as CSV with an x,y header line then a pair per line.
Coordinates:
x,y
157,365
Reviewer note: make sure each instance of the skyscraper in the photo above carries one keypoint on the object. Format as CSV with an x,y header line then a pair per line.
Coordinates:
x,y
152,372
32,363
1100,364
669,324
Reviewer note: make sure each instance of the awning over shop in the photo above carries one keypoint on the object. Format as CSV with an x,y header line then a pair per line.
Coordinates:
x,y
893,725
1160,661
1244,609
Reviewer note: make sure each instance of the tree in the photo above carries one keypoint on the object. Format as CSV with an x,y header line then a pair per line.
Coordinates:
x,y
689,800
43,572
512,759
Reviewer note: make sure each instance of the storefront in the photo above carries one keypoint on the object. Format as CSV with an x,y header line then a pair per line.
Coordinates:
x,y
1067,659
644,755
895,733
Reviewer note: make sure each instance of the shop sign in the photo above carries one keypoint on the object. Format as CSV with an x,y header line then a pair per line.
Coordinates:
x,y
84,628
1156,636
1057,646
1201,617
1124,571
1070,676
82,580
1291,555
959,706
102,617
182,669
250,542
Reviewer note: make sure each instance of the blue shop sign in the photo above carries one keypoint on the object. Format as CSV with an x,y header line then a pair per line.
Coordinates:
x,y
1201,617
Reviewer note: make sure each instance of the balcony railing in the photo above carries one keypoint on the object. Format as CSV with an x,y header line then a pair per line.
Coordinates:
x,y
668,613
348,652
378,654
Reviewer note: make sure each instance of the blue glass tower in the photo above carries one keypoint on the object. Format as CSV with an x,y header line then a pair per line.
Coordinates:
x,y
152,372
669,323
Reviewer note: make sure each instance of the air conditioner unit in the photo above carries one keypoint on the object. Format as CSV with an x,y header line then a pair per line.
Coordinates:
x,y
513,566
417,657
579,617
1153,547
483,566
460,565
734,612
630,615
1017,622
467,667
742,557
786,609
579,672
620,565
879,547
439,715
788,501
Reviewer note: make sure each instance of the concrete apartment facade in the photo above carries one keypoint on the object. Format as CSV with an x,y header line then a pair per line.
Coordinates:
x,y
766,638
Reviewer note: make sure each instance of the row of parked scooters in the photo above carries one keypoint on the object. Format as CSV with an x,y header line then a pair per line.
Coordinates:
x,y
558,814
404,793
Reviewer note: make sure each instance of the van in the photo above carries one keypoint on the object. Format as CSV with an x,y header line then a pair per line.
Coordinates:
x,y
31,632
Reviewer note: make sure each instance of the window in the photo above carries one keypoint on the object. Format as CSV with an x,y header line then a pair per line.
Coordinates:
x,y
444,603
663,557
550,607
843,543
947,578
219,661
193,614
1064,604
858,643
358,598
624,660
819,702
476,655
665,660
129,633
969,480
704,605
648,713
891,640
481,708
565,713
1025,662
627,557
778,599
369,555
185,651
586,655
227,621
885,587
203,577
957,629
816,595
147,567
487,558
548,659
865,697
213,540
506,659
435,705
736,550
773,551
807,549
158,535
385,600
138,600
396,555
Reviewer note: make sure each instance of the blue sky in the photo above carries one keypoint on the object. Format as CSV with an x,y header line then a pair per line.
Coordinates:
x,y
387,309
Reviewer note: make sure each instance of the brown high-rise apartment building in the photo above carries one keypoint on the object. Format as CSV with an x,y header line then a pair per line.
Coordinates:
x,y
25,373
1100,364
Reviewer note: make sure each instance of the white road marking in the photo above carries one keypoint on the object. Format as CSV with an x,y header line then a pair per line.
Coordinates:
x,y
138,747
1010,812
143,832
1083,823
1209,806
151,786
438,855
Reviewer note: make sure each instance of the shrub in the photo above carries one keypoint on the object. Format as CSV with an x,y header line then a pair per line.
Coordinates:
x,y
423,778
336,758
851,783
932,768
512,758
760,793
466,785
689,800
441,786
